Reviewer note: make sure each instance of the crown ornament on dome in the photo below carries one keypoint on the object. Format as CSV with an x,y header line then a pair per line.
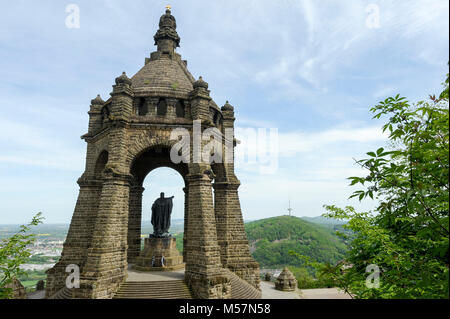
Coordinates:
x,y
97,101
200,84
167,29
227,107
123,79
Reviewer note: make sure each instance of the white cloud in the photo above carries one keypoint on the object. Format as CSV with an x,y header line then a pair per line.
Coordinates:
x,y
24,144
296,143
336,36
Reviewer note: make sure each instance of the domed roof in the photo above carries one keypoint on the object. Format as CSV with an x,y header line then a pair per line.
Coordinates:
x,y
286,274
163,74
201,84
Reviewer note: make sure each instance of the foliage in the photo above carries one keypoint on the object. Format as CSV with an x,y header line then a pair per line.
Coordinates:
x,y
407,235
308,281
179,241
272,239
30,278
13,253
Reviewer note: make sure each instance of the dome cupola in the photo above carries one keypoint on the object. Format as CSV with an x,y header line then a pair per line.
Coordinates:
x,y
123,79
200,84
166,38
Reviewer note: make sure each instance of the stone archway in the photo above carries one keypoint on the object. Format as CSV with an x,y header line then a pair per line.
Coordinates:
x,y
152,158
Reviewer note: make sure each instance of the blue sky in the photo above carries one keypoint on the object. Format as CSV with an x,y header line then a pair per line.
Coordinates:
x,y
312,69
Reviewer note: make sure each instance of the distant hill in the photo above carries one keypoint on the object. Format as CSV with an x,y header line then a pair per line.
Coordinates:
x,y
271,240
334,224
323,220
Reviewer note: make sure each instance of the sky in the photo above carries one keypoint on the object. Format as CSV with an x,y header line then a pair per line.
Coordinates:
x,y
310,69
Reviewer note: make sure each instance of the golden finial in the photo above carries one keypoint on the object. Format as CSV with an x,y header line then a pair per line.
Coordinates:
x,y
168,7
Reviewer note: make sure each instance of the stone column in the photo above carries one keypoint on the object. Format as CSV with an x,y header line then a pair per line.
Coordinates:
x,y
171,112
199,101
134,223
95,115
186,220
203,267
151,104
79,236
106,263
232,239
187,109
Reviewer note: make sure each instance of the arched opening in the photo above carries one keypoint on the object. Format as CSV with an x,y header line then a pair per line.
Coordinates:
x,y
171,183
216,118
100,164
141,108
179,109
105,114
153,172
219,172
161,108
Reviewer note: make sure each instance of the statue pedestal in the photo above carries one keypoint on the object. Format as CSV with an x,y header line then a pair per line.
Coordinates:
x,y
150,259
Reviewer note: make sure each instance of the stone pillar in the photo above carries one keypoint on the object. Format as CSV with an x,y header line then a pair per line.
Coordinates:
x,y
232,239
187,110
79,236
106,263
203,267
95,115
171,112
134,223
199,101
186,220
151,104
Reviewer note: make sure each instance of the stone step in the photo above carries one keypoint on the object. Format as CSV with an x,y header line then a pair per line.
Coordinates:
x,y
150,296
171,289
240,289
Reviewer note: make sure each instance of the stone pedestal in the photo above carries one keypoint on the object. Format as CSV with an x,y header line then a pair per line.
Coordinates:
x,y
150,259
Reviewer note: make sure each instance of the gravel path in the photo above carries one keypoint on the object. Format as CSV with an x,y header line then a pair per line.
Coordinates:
x,y
269,292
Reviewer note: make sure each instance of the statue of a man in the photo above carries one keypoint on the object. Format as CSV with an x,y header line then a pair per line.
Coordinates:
x,y
161,210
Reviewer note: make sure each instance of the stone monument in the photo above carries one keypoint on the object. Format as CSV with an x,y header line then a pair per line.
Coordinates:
x,y
161,211
160,252
129,136
286,281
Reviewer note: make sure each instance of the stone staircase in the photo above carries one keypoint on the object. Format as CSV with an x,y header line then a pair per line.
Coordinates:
x,y
170,289
240,289
64,293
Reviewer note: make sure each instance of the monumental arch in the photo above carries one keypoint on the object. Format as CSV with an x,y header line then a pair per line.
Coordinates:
x,y
128,137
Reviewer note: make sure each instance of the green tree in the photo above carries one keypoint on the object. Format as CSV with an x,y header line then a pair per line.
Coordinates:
x,y
407,234
14,252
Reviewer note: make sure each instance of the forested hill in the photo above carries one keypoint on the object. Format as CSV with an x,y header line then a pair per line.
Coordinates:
x,y
271,240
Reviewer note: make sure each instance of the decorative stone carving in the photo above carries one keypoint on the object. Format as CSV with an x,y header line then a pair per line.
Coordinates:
x,y
286,281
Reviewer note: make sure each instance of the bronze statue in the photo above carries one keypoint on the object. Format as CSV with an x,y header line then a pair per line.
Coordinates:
x,y
161,210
